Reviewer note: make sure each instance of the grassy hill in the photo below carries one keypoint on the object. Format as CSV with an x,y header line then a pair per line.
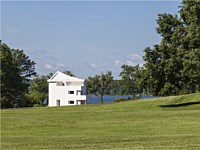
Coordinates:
x,y
161,123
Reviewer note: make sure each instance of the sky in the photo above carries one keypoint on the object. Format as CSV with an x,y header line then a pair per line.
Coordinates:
x,y
85,37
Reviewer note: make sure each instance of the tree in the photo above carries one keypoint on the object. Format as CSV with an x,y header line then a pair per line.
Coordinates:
x,y
131,80
140,79
39,88
10,79
100,84
164,61
16,70
25,65
190,12
173,65
116,88
128,81
67,72
34,98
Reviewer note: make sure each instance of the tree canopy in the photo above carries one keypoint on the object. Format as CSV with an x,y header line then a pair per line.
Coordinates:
x,y
38,90
16,70
99,85
67,72
173,66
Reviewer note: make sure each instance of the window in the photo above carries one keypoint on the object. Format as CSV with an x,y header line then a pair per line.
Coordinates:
x,y
68,83
79,92
76,83
83,102
70,92
70,102
60,84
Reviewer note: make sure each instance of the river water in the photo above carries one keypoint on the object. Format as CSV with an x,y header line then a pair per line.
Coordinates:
x,y
109,98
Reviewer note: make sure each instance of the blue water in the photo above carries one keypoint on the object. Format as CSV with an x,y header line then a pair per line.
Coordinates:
x,y
108,98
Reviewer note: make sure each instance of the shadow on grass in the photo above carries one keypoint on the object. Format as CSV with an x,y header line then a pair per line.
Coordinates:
x,y
180,105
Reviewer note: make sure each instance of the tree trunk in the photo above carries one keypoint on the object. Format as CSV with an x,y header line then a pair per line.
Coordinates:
x,y
101,98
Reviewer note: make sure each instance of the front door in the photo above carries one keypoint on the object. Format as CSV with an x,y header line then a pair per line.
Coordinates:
x,y
58,102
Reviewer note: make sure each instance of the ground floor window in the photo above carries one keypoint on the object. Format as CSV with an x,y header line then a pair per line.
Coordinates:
x,y
80,102
83,102
70,102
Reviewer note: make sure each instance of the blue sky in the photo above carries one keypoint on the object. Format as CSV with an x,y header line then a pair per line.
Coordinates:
x,y
86,37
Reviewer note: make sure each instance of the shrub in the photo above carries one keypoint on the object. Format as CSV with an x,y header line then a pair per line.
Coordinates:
x,y
119,99
37,105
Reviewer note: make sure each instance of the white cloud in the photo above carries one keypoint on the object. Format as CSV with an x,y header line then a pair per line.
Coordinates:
x,y
131,60
93,65
141,65
135,57
48,66
130,63
118,63
60,65
47,55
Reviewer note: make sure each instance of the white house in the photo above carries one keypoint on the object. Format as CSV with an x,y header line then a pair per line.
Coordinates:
x,y
65,90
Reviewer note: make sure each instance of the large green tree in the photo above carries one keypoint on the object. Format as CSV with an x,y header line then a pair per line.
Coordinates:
x,y
190,12
173,65
11,81
16,70
99,85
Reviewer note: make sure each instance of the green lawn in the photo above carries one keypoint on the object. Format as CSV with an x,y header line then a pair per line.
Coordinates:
x,y
161,123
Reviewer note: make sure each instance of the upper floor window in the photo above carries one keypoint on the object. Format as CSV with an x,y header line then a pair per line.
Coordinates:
x,y
68,83
76,83
70,92
59,83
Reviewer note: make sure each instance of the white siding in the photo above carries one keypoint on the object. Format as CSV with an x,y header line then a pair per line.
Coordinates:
x,y
62,92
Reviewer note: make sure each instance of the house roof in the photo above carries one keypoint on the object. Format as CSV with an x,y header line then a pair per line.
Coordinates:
x,y
59,76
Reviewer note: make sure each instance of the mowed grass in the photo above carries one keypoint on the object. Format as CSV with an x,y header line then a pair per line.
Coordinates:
x,y
161,123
